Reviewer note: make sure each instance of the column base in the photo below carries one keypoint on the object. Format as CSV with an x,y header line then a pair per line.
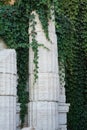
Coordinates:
x,y
63,108
43,115
62,127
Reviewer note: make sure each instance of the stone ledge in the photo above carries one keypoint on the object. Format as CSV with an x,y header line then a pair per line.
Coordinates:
x,y
31,128
63,107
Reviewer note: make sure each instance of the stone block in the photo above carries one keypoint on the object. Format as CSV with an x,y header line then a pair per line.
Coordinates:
x,y
28,128
62,127
8,61
63,109
43,115
46,88
62,98
8,84
51,66
42,40
7,113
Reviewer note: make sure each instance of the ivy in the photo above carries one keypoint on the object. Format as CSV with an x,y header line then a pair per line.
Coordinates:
x,y
14,22
34,44
14,25
71,29
71,24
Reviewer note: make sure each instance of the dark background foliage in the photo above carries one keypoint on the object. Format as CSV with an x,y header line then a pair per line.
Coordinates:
x,y
72,42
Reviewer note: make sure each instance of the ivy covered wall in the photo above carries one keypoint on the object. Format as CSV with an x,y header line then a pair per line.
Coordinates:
x,y
72,43
71,28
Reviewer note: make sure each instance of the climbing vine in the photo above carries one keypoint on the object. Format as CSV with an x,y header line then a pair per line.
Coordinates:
x,y
71,21
14,25
14,31
71,27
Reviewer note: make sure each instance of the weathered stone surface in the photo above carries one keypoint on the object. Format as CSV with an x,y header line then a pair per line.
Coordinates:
x,y
28,128
8,61
44,95
7,113
43,115
62,127
47,86
48,59
47,108
45,89
8,84
63,109
45,55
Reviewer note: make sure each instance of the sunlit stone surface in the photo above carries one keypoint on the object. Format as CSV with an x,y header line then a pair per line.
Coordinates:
x,y
8,83
44,95
47,108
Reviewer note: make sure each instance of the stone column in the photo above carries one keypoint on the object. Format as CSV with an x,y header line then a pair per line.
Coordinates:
x,y
44,95
8,85
62,105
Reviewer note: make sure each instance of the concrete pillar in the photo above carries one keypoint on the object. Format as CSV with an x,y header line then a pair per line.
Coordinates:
x,y
8,85
44,95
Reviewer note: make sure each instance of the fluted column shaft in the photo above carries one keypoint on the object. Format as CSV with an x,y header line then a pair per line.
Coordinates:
x,y
44,95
